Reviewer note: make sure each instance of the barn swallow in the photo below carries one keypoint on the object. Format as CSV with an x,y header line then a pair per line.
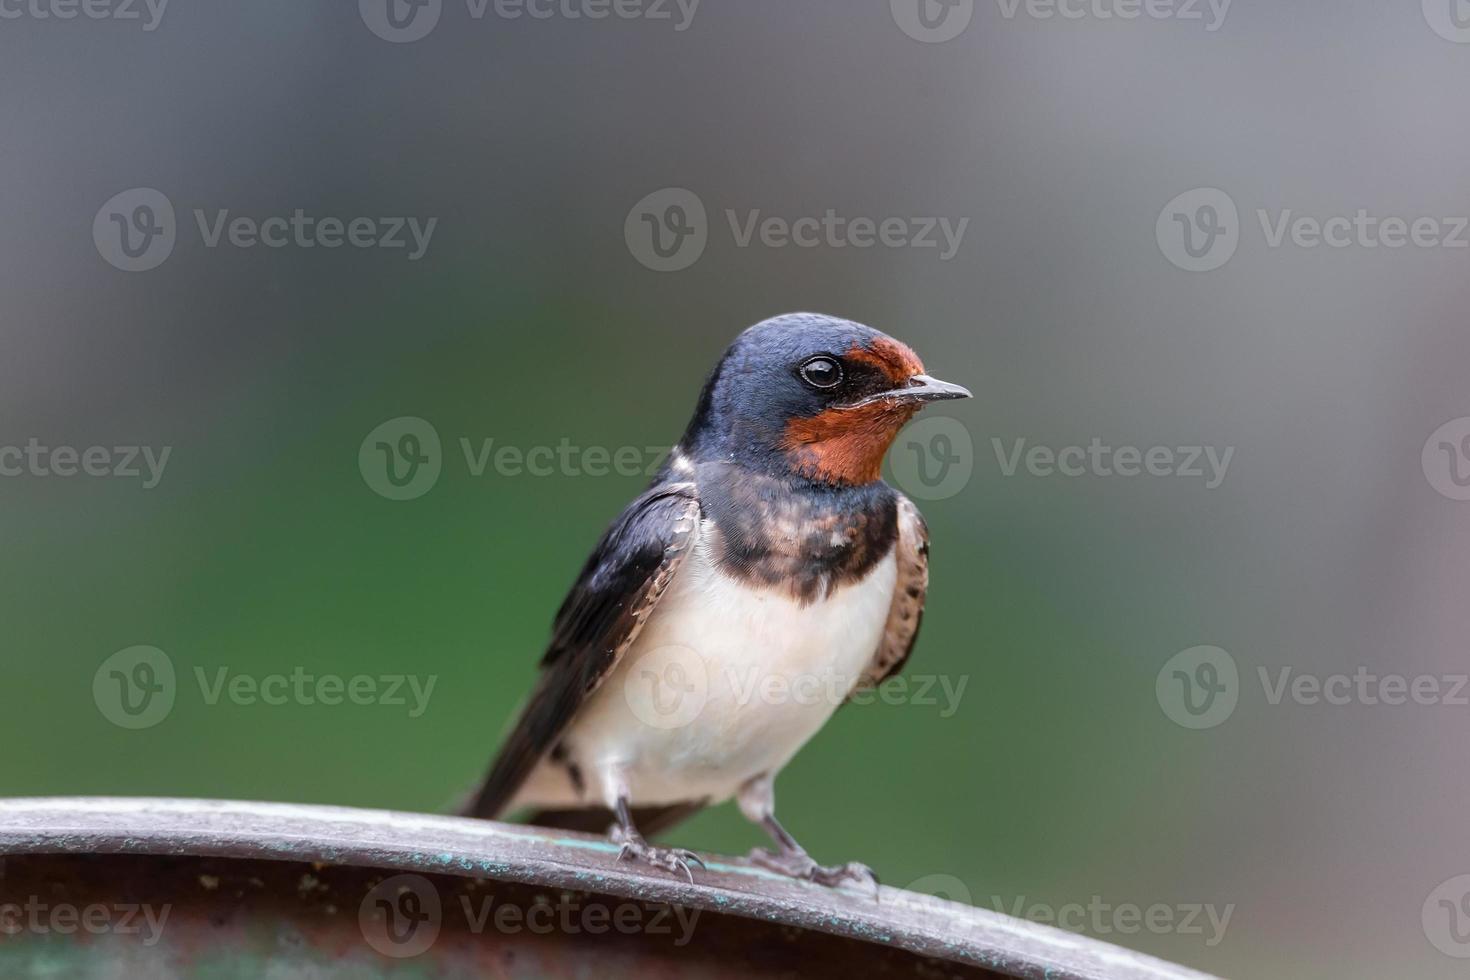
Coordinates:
x,y
768,548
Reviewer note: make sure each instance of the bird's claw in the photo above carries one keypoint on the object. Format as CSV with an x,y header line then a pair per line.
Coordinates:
x,y
674,859
799,864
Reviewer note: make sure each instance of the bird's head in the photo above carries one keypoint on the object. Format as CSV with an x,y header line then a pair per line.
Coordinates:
x,y
812,396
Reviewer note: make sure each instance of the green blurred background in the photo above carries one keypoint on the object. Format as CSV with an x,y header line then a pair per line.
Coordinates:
x,y
529,321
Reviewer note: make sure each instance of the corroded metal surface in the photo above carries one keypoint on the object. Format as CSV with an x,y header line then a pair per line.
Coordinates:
x,y
304,891
222,918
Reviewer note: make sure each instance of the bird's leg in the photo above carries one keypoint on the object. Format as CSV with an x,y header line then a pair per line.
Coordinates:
x,y
757,799
635,848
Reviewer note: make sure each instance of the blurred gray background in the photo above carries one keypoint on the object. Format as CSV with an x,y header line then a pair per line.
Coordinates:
x,y
1073,771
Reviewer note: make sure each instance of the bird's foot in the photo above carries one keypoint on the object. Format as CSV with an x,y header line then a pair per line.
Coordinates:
x,y
799,864
674,859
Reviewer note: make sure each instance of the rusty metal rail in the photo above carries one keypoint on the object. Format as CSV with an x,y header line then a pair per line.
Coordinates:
x,y
161,888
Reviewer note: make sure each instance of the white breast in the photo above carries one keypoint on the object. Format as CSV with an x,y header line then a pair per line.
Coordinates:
x,y
726,681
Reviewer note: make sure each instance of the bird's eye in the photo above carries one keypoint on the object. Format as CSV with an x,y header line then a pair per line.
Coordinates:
x,y
822,372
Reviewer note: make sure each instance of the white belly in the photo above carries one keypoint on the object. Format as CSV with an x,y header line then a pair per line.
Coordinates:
x,y
725,682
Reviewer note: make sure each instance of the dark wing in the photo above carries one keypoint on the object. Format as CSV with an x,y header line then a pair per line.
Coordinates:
x,y
619,586
907,609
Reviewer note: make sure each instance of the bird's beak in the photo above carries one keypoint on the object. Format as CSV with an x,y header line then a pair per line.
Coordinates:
x,y
918,389
922,388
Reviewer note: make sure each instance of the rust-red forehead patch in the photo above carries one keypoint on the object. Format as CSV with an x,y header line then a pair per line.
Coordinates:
x,y
894,358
